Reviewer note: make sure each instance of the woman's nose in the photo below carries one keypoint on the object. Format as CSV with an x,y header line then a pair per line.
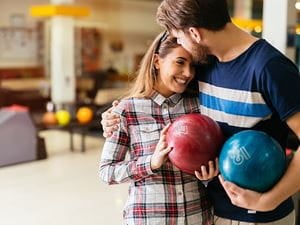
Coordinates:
x,y
188,71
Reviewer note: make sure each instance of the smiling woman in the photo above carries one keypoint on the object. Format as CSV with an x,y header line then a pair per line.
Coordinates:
x,y
159,95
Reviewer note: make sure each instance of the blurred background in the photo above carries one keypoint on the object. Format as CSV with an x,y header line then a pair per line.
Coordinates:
x,y
62,63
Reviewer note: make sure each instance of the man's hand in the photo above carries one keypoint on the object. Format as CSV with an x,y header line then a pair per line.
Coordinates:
x,y
246,198
110,121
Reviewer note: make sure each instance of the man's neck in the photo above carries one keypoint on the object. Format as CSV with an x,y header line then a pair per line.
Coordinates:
x,y
230,43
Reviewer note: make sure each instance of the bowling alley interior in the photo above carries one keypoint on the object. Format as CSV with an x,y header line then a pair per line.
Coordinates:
x,y
62,64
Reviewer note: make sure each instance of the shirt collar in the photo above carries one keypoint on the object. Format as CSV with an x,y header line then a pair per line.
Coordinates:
x,y
160,99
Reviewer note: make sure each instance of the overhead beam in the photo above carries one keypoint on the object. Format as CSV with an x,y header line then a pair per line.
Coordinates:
x,y
59,10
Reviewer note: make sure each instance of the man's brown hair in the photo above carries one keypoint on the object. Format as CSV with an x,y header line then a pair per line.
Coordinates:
x,y
182,14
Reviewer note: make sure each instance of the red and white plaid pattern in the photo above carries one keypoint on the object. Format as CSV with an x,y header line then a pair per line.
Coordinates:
x,y
165,196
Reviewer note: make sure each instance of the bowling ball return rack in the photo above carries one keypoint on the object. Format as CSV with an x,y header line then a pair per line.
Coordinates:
x,y
90,129
93,128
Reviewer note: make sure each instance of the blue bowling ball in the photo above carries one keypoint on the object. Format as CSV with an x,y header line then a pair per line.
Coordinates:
x,y
253,160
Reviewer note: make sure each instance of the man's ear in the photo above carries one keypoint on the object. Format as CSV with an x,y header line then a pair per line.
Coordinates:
x,y
195,34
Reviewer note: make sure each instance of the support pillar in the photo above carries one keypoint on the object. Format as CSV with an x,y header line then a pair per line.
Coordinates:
x,y
279,19
62,65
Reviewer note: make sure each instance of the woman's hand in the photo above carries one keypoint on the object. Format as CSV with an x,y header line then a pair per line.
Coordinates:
x,y
160,154
213,171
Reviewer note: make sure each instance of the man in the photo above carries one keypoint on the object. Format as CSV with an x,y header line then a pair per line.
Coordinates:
x,y
246,84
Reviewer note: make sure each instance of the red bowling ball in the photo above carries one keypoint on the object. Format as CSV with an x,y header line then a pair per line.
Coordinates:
x,y
196,139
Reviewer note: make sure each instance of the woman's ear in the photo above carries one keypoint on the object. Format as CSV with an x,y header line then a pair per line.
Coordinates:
x,y
156,61
195,34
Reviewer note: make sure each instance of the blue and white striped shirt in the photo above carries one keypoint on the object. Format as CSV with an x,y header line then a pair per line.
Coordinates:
x,y
257,90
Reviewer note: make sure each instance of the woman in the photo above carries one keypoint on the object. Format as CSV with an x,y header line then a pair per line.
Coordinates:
x,y
159,193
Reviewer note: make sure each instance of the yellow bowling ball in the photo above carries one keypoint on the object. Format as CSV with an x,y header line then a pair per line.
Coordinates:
x,y
84,115
63,117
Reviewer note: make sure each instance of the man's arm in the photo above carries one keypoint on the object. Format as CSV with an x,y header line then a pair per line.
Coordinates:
x,y
287,186
110,121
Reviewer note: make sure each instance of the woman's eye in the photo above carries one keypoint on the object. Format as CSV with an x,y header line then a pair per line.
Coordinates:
x,y
180,62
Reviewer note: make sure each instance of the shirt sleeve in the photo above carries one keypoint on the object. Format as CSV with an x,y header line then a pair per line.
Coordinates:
x,y
115,166
280,82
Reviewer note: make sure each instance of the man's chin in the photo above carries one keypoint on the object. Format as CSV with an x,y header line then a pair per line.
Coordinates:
x,y
201,60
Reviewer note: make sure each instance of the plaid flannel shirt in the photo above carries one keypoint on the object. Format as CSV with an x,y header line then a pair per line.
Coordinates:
x,y
165,196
